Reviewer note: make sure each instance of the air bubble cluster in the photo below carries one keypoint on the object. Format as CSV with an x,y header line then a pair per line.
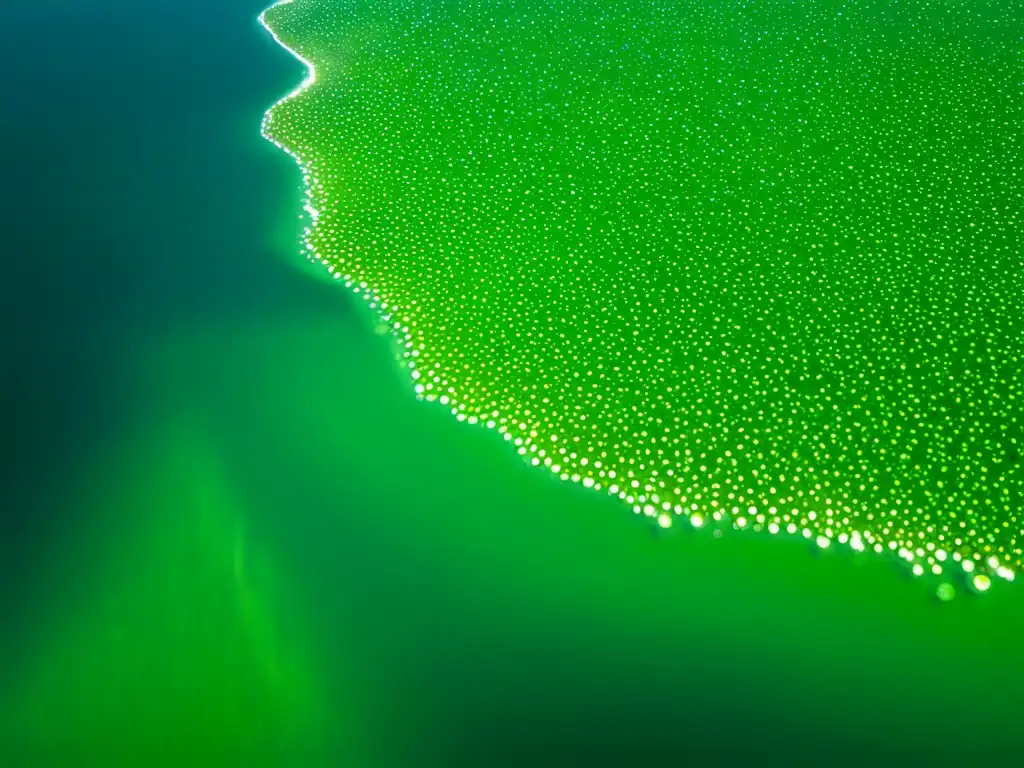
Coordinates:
x,y
754,264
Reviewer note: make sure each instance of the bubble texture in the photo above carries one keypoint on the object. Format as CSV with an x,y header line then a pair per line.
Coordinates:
x,y
753,264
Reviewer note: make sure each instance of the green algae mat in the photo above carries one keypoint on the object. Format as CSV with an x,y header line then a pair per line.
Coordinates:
x,y
739,264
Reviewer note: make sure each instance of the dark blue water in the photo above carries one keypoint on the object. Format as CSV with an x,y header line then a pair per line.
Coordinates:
x,y
138,201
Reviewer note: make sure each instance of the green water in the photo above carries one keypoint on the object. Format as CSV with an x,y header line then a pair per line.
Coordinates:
x,y
232,535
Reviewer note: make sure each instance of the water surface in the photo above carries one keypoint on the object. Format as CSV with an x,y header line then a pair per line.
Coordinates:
x,y
232,536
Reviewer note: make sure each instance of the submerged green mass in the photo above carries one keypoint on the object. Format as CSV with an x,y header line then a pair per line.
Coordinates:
x,y
753,263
